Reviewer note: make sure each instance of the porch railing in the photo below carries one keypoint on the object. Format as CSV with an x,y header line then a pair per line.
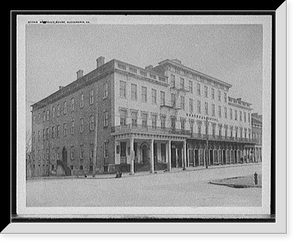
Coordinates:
x,y
223,138
147,128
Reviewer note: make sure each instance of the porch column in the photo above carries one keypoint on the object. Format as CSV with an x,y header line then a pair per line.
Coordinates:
x,y
188,158
169,167
151,155
131,156
184,155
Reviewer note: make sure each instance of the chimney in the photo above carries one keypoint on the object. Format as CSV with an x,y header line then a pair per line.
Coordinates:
x,y
79,73
149,67
100,61
61,87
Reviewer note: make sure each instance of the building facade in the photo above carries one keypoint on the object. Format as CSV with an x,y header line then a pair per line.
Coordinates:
x,y
146,119
256,122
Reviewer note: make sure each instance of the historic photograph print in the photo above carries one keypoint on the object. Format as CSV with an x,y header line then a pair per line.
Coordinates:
x,y
164,116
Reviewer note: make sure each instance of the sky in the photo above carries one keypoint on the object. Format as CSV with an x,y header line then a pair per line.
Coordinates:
x,y
231,53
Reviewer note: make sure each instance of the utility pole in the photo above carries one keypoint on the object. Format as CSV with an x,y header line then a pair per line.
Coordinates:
x,y
207,154
96,134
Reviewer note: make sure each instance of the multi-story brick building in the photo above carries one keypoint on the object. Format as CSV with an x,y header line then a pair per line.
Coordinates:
x,y
144,118
256,122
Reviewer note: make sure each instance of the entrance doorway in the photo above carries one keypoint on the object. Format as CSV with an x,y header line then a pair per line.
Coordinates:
x,y
224,157
64,155
211,157
196,157
123,153
144,154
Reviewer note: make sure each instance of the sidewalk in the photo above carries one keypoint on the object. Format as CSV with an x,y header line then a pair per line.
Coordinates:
x,y
240,182
127,175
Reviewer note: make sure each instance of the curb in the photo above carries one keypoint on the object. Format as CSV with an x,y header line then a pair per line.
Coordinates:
x,y
127,175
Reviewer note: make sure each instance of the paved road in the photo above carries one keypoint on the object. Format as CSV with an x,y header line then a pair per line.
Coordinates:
x,y
185,188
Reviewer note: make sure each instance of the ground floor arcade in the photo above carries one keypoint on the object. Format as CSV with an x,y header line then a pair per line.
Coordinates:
x,y
136,152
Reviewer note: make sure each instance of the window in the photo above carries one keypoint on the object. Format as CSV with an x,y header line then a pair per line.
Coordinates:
x,y
191,86
65,129
72,126
213,130
92,122
205,91
220,111
81,104
206,108
198,89
172,80
154,121
91,96
72,153
58,110
199,106
182,123
235,114
154,96
245,117
199,128
162,98
48,115
213,110
182,102
144,119
241,116
225,112
81,128
191,105
230,113
57,131
123,89
47,133
133,91
105,119
181,83
241,132
225,97
134,118
44,116
81,151
91,152
173,99
105,90
219,95
192,126
245,131
249,119
105,149
213,93
144,94
65,107
123,115
72,104
173,123
53,111
163,122
53,132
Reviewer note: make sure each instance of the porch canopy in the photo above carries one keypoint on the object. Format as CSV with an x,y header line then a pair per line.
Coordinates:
x,y
142,145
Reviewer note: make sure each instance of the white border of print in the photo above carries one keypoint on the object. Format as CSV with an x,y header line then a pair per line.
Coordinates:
x,y
181,211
